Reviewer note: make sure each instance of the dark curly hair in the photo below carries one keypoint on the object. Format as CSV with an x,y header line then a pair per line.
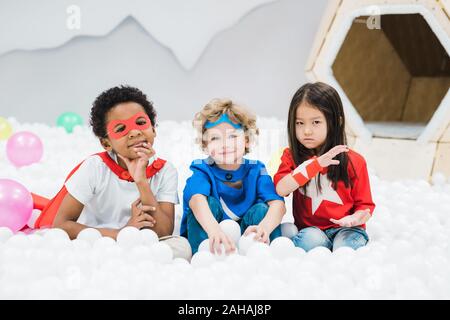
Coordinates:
x,y
109,99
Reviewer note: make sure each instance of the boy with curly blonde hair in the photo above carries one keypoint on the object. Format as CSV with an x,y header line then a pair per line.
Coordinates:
x,y
225,185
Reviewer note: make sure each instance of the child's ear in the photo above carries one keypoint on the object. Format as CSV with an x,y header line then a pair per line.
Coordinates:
x,y
247,144
106,144
341,120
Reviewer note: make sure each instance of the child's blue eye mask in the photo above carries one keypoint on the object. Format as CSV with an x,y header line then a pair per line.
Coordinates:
x,y
223,118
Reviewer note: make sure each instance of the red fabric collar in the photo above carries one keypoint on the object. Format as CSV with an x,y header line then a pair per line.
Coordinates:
x,y
123,174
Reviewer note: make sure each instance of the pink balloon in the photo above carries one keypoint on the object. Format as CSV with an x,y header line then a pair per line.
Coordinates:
x,y
16,205
24,148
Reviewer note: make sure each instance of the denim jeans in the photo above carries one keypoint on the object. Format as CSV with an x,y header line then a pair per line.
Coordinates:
x,y
333,238
253,216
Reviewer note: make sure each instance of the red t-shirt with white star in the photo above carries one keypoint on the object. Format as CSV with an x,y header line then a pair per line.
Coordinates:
x,y
316,208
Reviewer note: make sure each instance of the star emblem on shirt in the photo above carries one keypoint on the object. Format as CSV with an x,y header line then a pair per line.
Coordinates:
x,y
327,193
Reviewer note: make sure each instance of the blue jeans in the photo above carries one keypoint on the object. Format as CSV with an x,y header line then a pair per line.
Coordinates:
x,y
333,238
253,216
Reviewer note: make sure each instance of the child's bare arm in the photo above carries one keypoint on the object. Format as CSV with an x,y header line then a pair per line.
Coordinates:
x,y
68,214
358,218
287,185
164,211
203,214
308,170
274,215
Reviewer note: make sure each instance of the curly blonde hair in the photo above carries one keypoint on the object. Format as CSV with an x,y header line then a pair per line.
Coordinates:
x,y
237,114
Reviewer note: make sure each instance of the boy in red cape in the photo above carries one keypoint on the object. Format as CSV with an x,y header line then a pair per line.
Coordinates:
x,y
127,185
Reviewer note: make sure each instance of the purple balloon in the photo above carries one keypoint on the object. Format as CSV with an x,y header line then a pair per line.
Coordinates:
x,y
24,148
16,205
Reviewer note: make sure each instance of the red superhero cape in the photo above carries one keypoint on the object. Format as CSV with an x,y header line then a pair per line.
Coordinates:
x,y
49,207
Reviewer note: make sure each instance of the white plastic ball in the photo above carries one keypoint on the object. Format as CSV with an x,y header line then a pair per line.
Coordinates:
x,y
232,229
149,237
319,254
18,241
204,245
180,261
282,248
90,235
438,179
299,252
55,234
129,237
5,234
259,250
245,242
162,252
81,245
36,240
202,259
103,243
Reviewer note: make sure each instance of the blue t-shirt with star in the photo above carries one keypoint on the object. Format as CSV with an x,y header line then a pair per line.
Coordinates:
x,y
208,179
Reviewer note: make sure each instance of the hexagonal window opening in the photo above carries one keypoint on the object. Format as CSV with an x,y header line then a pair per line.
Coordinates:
x,y
396,76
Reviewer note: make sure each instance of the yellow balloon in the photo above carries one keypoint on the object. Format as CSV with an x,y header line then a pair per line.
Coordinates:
x,y
5,129
274,162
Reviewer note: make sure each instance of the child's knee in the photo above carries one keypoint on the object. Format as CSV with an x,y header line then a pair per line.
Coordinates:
x,y
180,247
257,212
310,238
350,237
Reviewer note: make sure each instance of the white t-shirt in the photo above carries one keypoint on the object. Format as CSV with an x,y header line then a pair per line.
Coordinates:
x,y
107,199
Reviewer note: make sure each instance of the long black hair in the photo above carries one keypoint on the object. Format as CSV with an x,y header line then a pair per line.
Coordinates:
x,y
326,99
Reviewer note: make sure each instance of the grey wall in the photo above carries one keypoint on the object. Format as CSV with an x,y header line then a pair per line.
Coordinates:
x,y
259,62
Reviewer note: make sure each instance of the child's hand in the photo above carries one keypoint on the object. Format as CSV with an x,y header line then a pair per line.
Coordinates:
x,y
327,158
216,239
137,167
261,233
141,216
356,219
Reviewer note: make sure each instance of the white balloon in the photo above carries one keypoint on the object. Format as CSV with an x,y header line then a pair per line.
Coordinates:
x,y
232,229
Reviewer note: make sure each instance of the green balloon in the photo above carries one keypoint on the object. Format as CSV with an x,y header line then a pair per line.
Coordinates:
x,y
68,120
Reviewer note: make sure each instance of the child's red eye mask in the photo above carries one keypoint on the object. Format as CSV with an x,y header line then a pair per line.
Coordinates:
x,y
120,128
